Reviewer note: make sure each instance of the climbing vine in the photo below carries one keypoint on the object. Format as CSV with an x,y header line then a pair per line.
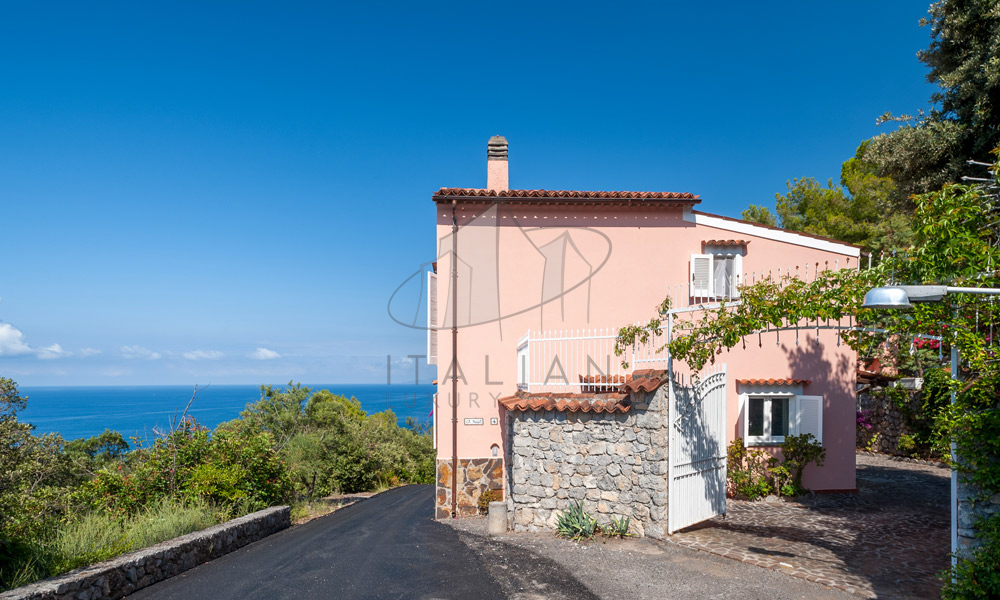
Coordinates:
x,y
956,244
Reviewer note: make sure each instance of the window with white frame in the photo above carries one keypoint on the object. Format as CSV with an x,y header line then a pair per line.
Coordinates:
x,y
717,273
768,418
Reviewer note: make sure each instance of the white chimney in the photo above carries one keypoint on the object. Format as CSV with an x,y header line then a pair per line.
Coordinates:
x,y
496,164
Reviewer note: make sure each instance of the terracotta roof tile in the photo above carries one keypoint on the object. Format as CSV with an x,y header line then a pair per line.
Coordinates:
x,y
564,195
597,403
773,381
725,242
594,398
647,380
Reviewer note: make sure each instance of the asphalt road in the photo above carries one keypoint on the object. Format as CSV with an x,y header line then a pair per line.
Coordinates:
x,y
385,547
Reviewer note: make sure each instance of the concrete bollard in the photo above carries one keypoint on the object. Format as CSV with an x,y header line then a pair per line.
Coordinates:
x,y
496,522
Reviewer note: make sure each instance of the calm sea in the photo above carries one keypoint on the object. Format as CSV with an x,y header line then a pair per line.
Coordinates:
x,y
76,412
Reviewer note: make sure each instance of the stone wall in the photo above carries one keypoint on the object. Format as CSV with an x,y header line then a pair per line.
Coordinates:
x,y
887,421
615,463
125,574
475,476
969,512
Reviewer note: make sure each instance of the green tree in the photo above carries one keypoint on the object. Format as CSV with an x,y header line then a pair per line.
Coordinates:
x,y
955,243
94,452
33,470
863,209
280,412
759,214
860,210
964,121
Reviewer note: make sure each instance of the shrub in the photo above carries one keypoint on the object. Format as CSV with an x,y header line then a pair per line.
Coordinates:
x,y
977,575
575,524
797,451
872,445
753,474
906,443
489,496
864,419
747,471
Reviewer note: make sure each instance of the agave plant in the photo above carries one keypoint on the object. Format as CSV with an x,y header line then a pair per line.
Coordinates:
x,y
618,527
576,524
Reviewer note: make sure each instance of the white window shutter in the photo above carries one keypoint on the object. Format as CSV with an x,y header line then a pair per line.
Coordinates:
x,y
737,275
793,416
702,276
432,311
809,417
744,412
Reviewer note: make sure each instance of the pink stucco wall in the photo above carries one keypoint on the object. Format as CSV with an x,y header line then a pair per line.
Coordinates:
x,y
642,252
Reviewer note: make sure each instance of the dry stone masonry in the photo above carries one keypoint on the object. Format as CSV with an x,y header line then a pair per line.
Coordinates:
x,y
887,421
615,463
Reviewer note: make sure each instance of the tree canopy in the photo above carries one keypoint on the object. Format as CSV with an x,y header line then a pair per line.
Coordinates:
x,y
875,201
861,209
955,243
963,122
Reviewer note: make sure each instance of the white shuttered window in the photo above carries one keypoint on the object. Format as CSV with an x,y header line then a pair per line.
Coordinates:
x,y
432,320
767,418
701,276
716,275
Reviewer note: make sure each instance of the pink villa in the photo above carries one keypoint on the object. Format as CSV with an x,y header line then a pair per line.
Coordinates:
x,y
526,296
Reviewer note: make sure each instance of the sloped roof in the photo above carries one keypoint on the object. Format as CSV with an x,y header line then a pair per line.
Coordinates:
x,y
598,403
560,196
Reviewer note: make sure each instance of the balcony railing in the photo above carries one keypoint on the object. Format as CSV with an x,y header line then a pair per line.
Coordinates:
x,y
581,360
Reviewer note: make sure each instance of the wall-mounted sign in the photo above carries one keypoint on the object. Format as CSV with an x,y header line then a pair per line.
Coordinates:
x,y
476,421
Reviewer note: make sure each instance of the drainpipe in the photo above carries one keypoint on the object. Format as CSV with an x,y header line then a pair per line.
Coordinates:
x,y
454,361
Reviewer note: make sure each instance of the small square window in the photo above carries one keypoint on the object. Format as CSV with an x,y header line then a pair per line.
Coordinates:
x,y
768,419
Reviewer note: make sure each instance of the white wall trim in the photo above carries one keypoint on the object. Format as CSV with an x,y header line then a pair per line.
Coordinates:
x,y
778,235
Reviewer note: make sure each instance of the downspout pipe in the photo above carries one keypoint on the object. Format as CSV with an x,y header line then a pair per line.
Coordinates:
x,y
454,361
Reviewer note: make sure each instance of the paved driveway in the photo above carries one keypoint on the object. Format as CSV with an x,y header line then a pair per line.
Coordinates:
x,y
889,540
384,547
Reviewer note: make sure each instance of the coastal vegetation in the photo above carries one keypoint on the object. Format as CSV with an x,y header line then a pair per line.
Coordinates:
x,y
902,198
64,504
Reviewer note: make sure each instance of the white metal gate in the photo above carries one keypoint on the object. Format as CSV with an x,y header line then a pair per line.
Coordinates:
x,y
697,450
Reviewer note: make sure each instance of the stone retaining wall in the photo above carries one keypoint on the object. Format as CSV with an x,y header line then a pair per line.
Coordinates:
x,y
615,463
887,421
125,574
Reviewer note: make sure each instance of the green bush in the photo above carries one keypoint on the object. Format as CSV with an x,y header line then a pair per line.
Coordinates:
x,y
906,443
977,576
486,497
331,445
746,471
797,451
753,474
235,466
575,524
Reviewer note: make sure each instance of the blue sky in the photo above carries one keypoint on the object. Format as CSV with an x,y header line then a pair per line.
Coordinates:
x,y
229,192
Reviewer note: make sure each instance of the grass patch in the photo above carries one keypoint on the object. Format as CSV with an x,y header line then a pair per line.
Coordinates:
x,y
98,536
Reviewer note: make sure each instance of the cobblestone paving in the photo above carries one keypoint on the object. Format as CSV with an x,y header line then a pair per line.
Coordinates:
x,y
888,540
